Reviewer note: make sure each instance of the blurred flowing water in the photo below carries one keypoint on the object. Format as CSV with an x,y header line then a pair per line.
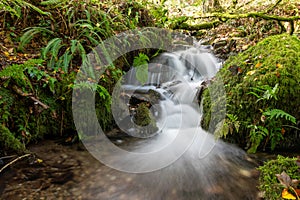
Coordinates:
x,y
186,162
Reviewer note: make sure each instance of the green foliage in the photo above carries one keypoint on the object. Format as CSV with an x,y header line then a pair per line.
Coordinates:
x,y
20,74
6,102
78,28
264,95
268,182
277,113
141,66
16,73
75,28
9,142
268,92
14,7
21,115
229,125
159,13
271,127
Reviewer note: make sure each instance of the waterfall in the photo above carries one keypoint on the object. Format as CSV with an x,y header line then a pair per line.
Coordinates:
x,y
179,160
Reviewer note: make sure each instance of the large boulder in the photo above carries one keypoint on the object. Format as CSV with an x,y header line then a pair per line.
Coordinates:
x,y
262,87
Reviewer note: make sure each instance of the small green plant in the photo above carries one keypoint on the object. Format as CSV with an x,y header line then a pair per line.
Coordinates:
x,y
270,128
230,125
268,92
140,63
268,182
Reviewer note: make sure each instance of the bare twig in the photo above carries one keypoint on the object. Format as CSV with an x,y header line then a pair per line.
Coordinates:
x,y
20,92
6,157
273,7
15,160
39,102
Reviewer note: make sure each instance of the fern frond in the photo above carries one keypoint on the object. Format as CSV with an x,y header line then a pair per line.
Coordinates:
x,y
277,113
24,3
53,46
30,33
53,3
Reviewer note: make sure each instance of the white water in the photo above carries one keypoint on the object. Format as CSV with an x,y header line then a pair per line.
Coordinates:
x,y
182,161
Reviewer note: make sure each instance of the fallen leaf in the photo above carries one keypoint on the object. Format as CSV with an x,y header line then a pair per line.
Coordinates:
x,y
284,179
295,183
6,53
11,50
297,191
278,74
251,72
258,65
282,131
286,195
245,47
278,65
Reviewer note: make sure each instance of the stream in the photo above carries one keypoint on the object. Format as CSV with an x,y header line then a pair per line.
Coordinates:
x,y
178,160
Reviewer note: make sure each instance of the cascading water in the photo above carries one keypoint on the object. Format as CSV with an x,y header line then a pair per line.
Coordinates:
x,y
179,160
196,165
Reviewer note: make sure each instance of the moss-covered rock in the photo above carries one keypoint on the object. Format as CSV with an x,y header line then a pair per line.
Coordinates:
x,y
268,182
146,125
35,103
265,77
9,142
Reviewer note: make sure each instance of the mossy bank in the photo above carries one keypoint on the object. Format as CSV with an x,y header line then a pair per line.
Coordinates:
x,y
262,88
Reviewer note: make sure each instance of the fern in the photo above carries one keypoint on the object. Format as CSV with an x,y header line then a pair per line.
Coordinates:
x,y
54,3
53,46
30,33
16,72
277,113
268,92
12,6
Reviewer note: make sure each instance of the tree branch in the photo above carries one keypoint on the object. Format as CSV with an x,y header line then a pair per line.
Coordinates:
x,y
20,92
225,16
15,160
252,14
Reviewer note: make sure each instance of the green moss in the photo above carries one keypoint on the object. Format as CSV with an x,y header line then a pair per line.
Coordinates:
x,y
143,115
144,120
268,182
274,60
9,142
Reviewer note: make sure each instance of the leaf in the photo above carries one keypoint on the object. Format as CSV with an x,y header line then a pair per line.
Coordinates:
x,y
258,65
284,179
142,73
286,195
6,54
251,72
278,65
297,191
277,113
